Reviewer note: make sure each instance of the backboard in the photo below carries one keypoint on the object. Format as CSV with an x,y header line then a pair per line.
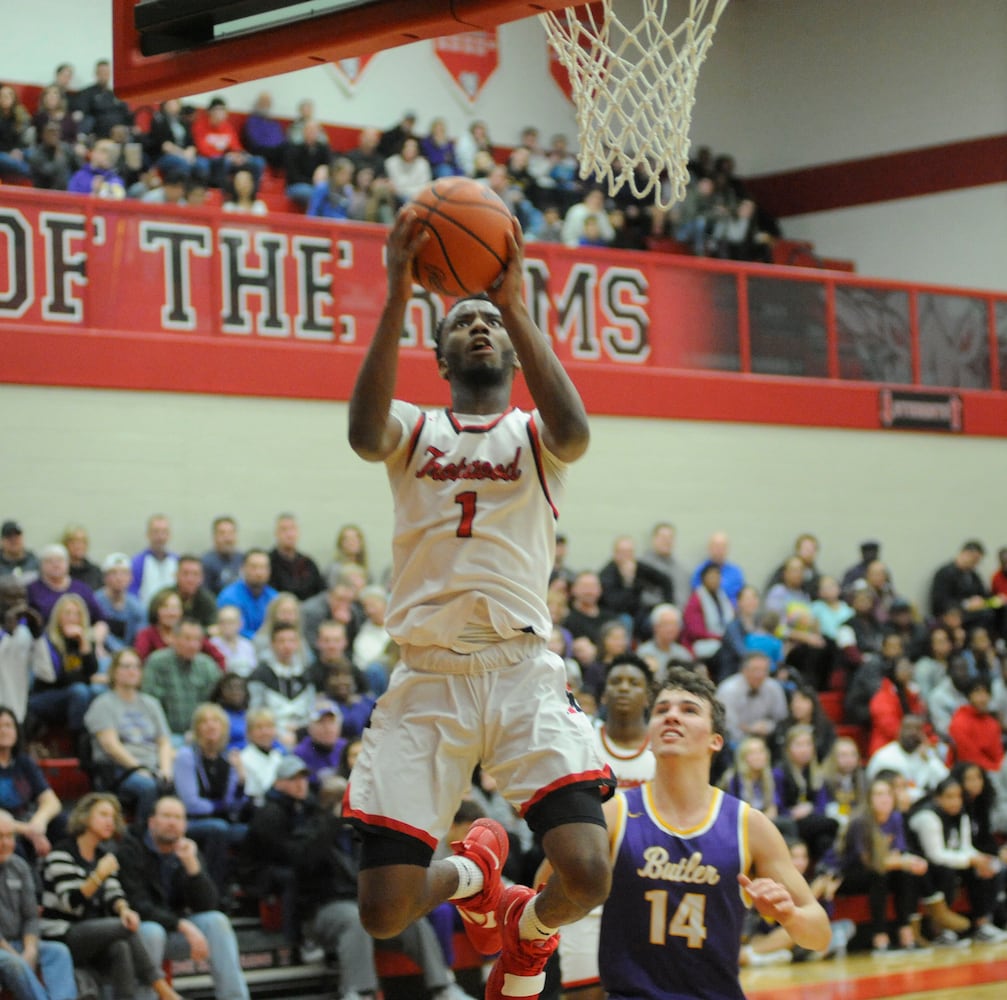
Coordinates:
x,y
170,48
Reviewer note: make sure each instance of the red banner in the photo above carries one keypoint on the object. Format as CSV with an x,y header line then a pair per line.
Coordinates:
x,y
470,58
135,296
556,68
349,72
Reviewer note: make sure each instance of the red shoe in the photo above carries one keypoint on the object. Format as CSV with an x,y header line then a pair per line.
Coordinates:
x,y
519,971
487,845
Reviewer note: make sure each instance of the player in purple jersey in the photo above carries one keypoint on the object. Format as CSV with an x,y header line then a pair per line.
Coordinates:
x,y
683,852
475,490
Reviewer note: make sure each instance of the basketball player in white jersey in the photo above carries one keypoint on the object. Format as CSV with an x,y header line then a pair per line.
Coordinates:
x,y
476,489
624,744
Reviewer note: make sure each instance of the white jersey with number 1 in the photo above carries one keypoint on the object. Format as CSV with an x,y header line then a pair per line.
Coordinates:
x,y
474,540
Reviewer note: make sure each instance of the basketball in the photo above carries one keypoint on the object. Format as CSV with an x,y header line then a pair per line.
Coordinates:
x,y
468,226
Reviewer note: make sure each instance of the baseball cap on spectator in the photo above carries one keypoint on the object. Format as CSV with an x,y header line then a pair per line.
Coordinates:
x,y
900,604
324,708
290,767
10,529
117,560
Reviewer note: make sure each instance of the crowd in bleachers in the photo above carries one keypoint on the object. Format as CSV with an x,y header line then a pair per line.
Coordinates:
x,y
90,142
243,680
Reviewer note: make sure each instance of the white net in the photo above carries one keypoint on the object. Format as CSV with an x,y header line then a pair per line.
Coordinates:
x,y
634,85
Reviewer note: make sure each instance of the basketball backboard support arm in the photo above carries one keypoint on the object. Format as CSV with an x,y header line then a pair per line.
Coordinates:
x,y
307,41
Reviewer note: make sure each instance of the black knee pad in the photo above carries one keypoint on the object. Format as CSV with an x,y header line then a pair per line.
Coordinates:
x,y
576,804
381,847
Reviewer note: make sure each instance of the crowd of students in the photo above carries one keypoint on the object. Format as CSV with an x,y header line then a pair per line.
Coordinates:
x,y
90,142
205,674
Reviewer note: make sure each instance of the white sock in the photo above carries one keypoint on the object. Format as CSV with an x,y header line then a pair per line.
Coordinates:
x,y
470,877
530,928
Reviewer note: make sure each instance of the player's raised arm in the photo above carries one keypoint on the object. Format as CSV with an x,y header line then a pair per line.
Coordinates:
x,y
566,433
779,891
373,434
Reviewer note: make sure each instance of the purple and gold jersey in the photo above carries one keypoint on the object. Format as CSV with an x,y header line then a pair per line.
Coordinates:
x,y
672,926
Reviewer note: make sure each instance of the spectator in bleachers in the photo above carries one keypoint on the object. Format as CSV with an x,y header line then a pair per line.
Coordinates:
x,y
305,114
211,788
51,160
261,134
931,668
24,648
155,567
944,833
181,676
693,219
499,182
121,609
790,589
75,540
740,237
283,683
845,779
24,791
259,759
732,577
14,123
286,609
290,569
393,139
979,798
876,860
806,548
804,709
197,601
912,757
706,615
170,143
54,109
867,679
85,907
982,657
276,834
975,732
867,629
663,649
370,644
751,779
231,694
949,695
347,687
217,140
350,550
408,170
439,150
624,581
242,194
165,613
585,617
251,592
25,961
869,551
564,172
901,619
471,141
551,228
100,108
804,797
535,163
222,563
306,164
366,152
958,584
333,196
63,701
195,192
322,746
895,698
165,877
15,558
240,654
63,79
745,623
130,738
755,702
373,198
98,176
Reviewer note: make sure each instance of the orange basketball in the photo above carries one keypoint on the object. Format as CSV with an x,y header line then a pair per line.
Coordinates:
x,y
468,226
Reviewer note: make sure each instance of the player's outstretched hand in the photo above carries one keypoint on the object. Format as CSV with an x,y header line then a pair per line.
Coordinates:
x,y
508,291
772,900
404,241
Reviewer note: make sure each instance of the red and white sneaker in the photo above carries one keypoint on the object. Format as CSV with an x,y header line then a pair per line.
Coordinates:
x,y
520,969
487,845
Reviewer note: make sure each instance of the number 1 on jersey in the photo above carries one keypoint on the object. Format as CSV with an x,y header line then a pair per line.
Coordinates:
x,y
688,921
467,502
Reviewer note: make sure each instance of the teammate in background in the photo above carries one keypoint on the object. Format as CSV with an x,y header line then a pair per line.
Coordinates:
x,y
624,744
683,852
476,490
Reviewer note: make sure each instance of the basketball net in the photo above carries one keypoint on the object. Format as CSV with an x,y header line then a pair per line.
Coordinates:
x,y
634,88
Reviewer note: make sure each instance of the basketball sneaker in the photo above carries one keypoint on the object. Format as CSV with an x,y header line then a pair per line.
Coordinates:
x,y
520,969
487,845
